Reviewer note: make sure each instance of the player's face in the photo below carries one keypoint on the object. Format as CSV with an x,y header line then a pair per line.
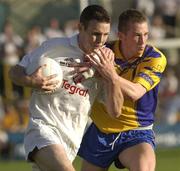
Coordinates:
x,y
94,36
135,39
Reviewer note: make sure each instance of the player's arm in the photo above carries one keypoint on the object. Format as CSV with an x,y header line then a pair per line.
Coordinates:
x,y
18,75
146,78
105,66
131,90
114,98
102,61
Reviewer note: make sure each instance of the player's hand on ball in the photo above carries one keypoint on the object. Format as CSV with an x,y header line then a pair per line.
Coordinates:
x,y
45,83
80,69
103,61
46,75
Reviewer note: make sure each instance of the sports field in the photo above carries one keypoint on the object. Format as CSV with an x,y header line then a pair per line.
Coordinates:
x,y
167,160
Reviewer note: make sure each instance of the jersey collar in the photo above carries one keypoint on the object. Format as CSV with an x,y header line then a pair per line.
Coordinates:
x,y
117,51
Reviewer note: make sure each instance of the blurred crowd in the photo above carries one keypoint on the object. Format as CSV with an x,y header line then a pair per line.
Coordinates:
x,y
164,17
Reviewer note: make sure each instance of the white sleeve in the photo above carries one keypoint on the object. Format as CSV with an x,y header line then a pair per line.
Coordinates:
x,y
37,53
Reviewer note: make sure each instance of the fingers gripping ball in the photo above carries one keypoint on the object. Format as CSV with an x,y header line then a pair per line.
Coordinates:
x,y
51,67
90,73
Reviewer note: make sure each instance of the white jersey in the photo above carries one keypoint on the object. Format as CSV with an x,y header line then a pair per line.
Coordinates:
x,y
66,110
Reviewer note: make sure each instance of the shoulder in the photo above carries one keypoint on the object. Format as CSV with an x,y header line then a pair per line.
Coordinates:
x,y
155,57
154,54
152,51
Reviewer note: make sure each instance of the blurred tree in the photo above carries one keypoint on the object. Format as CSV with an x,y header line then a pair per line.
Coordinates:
x,y
62,11
4,12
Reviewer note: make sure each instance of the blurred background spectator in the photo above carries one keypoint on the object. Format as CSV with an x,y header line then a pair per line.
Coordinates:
x,y
169,97
146,6
11,48
71,27
33,39
157,28
53,30
169,10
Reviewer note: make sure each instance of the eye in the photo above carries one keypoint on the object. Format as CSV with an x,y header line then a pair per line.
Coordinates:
x,y
106,34
96,34
138,35
146,34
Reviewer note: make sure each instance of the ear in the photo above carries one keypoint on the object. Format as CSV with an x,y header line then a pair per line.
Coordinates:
x,y
80,27
120,35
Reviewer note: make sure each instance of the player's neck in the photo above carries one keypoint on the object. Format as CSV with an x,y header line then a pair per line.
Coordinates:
x,y
82,44
127,55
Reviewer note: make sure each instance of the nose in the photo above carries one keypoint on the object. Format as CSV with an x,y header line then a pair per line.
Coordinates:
x,y
141,40
100,39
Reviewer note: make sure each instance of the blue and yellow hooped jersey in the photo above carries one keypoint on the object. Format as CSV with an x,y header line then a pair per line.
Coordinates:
x,y
146,70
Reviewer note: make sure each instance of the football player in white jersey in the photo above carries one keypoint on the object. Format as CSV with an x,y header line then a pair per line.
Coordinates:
x,y
58,119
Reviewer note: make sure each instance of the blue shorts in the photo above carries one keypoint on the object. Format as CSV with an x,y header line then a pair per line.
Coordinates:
x,y
103,149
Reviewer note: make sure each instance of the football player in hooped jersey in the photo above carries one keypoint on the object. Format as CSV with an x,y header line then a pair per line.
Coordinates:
x,y
58,119
129,139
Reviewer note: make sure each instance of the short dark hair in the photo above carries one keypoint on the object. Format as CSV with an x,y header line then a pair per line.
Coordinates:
x,y
130,16
94,12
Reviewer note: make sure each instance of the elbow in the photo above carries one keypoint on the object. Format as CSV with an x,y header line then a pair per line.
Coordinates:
x,y
116,110
115,113
137,92
15,73
136,97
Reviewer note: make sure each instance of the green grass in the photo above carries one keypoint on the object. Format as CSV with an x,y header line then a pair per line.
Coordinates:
x,y
167,160
14,166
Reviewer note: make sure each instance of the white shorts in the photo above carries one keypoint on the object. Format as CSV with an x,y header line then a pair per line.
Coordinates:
x,y
39,135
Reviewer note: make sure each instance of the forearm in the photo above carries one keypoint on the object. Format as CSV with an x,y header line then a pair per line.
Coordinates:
x,y
18,76
114,98
131,90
